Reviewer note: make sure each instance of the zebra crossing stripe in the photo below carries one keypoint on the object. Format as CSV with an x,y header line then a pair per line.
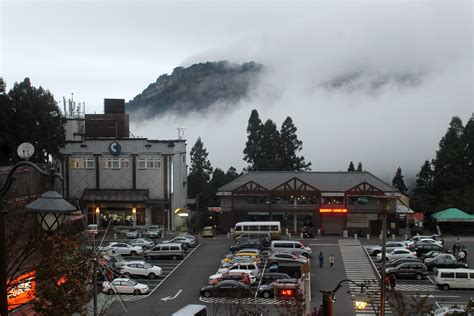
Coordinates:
x,y
359,269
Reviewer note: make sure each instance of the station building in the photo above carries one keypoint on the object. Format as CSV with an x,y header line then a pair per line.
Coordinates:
x,y
332,202
119,178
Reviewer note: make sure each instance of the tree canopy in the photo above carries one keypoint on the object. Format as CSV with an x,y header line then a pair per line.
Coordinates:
x,y
29,114
268,149
398,182
351,167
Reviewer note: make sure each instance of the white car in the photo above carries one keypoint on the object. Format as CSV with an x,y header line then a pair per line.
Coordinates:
x,y
140,268
189,242
132,233
424,241
122,249
397,253
154,231
252,276
145,243
414,239
93,229
124,286
376,249
448,311
248,266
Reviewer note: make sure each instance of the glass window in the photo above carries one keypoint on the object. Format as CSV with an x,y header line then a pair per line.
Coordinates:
x,y
141,163
174,248
471,276
265,228
274,228
165,248
238,228
253,228
447,275
461,275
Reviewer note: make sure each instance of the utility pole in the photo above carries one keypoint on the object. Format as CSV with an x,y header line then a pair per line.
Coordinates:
x,y
94,282
385,206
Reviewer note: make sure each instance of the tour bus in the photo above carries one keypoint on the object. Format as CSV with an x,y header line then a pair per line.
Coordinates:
x,y
274,228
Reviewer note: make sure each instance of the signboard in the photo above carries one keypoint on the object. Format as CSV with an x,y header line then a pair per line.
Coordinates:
x,y
332,210
357,220
115,149
22,290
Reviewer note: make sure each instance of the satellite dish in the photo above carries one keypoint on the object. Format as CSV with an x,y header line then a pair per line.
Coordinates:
x,y
25,150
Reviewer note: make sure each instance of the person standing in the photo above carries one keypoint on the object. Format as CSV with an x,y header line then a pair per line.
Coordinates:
x,y
321,259
392,281
331,261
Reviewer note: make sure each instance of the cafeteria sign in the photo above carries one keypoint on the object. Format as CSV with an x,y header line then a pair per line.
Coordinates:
x,y
22,290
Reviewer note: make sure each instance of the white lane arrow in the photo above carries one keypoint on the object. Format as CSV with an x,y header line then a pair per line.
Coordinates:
x,y
171,297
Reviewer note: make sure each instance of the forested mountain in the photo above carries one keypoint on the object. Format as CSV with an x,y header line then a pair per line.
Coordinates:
x,y
195,89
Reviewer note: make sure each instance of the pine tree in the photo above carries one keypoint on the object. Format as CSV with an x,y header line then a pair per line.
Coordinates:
x,y
351,167
398,182
290,146
253,146
200,174
271,148
423,198
449,165
359,166
468,139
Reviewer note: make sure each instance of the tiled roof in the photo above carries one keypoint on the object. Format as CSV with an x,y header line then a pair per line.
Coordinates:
x,y
339,181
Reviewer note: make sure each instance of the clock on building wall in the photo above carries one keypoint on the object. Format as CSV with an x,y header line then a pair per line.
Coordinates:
x,y
115,149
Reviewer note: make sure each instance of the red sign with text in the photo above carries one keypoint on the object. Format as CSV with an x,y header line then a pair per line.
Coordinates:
x,y
22,290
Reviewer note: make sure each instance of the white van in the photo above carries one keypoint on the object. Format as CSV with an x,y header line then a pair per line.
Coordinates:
x,y
455,278
192,310
292,246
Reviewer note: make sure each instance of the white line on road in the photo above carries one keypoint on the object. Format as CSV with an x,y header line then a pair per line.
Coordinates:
x,y
172,297
431,295
332,245
429,278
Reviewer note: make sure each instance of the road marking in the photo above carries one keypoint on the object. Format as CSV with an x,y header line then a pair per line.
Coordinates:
x,y
172,297
332,245
432,296
429,278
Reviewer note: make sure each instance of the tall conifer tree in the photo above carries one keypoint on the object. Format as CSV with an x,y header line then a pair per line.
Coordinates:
x,y
351,167
200,175
290,146
359,166
398,182
253,146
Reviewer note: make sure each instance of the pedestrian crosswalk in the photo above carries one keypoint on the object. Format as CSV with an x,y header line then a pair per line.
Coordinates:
x,y
245,300
417,287
359,269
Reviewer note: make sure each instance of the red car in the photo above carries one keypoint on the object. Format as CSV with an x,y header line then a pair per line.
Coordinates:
x,y
234,276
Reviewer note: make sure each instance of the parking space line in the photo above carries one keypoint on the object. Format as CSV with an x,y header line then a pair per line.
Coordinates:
x,y
429,278
173,270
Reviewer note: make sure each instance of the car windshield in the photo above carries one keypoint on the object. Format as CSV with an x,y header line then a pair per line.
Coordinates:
x,y
148,266
132,283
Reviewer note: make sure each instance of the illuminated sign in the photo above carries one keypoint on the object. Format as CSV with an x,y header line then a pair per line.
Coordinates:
x,y
286,293
22,290
333,210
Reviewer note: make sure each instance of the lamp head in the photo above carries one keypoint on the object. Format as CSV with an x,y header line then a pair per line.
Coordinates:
x,y
51,210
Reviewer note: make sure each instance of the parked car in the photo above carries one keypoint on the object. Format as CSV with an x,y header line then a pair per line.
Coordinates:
x,y
187,242
419,241
251,245
448,311
154,231
376,249
235,276
122,249
145,243
397,253
440,256
132,233
293,269
252,276
124,286
409,270
286,257
240,266
189,236
269,277
292,246
398,261
140,268
246,256
208,231
92,229
431,254
445,263
421,249
268,290
455,278
227,288
261,237
173,251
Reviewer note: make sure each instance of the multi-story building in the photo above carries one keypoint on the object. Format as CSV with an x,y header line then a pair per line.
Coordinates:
x,y
332,202
119,178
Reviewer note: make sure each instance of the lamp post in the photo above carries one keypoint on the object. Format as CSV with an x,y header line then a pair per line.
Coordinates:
x,y
384,205
361,300
50,209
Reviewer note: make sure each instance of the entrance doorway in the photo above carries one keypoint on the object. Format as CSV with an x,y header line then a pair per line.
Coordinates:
x,y
118,217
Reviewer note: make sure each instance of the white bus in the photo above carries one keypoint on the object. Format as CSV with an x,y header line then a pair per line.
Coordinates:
x,y
274,228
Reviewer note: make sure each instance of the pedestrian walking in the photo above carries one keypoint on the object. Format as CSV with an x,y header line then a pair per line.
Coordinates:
x,y
392,281
464,249
331,261
321,259
387,280
462,256
456,246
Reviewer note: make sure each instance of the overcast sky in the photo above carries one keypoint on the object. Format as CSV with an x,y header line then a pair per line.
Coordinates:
x,y
421,50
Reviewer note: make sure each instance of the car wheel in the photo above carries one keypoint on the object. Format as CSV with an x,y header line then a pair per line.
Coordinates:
x,y
133,253
207,294
266,294
376,252
148,257
126,274
419,276
306,255
174,257
137,292
110,292
151,276
445,287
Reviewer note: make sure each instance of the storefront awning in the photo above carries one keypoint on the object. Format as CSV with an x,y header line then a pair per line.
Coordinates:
x,y
134,196
452,215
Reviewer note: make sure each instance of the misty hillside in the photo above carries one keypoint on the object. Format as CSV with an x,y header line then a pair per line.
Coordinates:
x,y
195,89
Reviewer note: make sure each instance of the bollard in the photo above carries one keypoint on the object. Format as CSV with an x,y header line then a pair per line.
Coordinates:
x,y
319,232
289,235
228,235
355,236
380,236
301,236
286,232
406,236
115,235
393,236
368,236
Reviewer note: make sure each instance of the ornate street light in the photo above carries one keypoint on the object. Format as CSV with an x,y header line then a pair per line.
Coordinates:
x,y
360,300
51,210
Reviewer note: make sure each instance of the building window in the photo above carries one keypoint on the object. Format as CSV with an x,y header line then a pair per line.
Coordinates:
x,y
149,163
82,163
116,163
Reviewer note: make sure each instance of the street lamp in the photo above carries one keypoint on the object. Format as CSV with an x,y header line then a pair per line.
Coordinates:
x,y
360,300
50,209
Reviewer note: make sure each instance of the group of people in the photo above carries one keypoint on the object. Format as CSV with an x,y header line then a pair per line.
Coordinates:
x,y
321,260
459,250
